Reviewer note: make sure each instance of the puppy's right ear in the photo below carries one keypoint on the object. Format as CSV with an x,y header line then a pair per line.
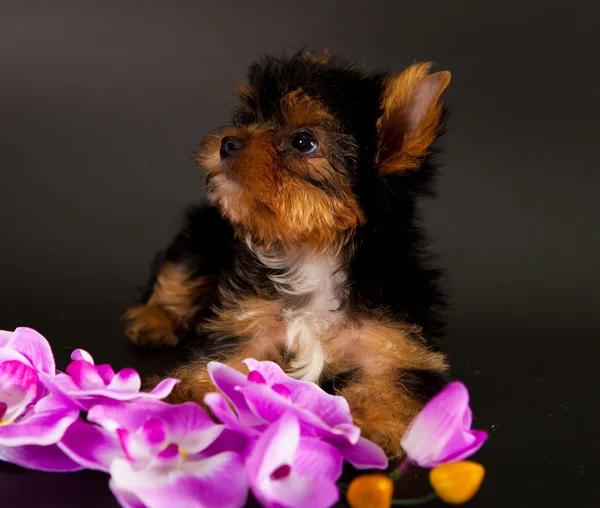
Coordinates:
x,y
411,118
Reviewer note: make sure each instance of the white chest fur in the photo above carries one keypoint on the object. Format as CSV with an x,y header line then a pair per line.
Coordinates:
x,y
316,282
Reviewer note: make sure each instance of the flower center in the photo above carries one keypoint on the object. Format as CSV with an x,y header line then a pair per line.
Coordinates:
x,y
281,472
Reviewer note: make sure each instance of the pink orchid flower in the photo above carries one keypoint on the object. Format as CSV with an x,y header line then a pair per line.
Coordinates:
x,y
156,455
442,432
87,384
289,470
267,393
31,421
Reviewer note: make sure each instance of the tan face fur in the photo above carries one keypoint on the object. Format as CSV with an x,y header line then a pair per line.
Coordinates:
x,y
277,195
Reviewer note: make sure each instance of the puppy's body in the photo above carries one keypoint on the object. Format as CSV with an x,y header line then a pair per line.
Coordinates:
x,y
310,254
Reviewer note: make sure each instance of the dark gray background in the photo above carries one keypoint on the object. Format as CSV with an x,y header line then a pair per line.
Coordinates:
x,y
103,103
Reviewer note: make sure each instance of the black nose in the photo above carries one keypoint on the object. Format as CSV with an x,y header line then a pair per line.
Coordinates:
x,y
229,146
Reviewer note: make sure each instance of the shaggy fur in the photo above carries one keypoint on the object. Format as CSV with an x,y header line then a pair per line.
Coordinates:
x,y
310,253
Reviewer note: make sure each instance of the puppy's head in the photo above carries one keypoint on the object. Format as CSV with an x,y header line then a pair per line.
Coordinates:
x,y
308,137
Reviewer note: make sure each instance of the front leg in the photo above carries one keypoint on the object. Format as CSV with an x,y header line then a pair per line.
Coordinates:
x,y
383,407
195,380
184,284
394,373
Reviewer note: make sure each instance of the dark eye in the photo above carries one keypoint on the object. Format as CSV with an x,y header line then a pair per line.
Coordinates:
x,y
304,142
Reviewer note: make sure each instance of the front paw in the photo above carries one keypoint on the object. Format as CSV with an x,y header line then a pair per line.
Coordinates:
x,y
150,326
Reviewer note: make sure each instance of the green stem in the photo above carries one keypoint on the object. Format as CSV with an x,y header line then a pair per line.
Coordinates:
x,y
415,500
400,470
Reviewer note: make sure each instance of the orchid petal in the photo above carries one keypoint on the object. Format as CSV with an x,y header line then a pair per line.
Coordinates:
x,y
363,455
126,499
296,491
217,481
7,355
90,445
133,447
468,447
186,424
256,377
269,371
106,372
5,337
221,409
438,431
126,380
169,458
45,424
18,388
161,390
317,459
228,381
35,348
231,441
332,409
40,458
84,375
87,398
269,405
153,432
275,448
83,355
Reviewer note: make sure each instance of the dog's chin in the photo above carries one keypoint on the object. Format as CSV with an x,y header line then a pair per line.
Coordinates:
x,y
226,195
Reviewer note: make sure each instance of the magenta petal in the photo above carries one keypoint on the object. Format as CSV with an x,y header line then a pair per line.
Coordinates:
x,y
264,403
438,431
162,389
190,427
82,354
153,432
106,372
126,380
18,387
84,375
282,390
40,458
295,491
363,455
221,409
476,441
256,377
317,459
170,452
35,348
7,355
275,448
126,499
5,337
285,470
117,414
228,381
39,427
269,371
332,409
215,481
90,445
268,405
231,441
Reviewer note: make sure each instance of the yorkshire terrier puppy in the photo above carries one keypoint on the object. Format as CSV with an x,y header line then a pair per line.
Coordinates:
x,y
310,253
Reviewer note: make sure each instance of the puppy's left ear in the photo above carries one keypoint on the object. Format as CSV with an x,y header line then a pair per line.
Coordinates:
x,y
411,118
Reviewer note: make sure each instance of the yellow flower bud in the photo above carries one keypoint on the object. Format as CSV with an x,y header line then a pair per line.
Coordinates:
x,y
457,482
370,491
